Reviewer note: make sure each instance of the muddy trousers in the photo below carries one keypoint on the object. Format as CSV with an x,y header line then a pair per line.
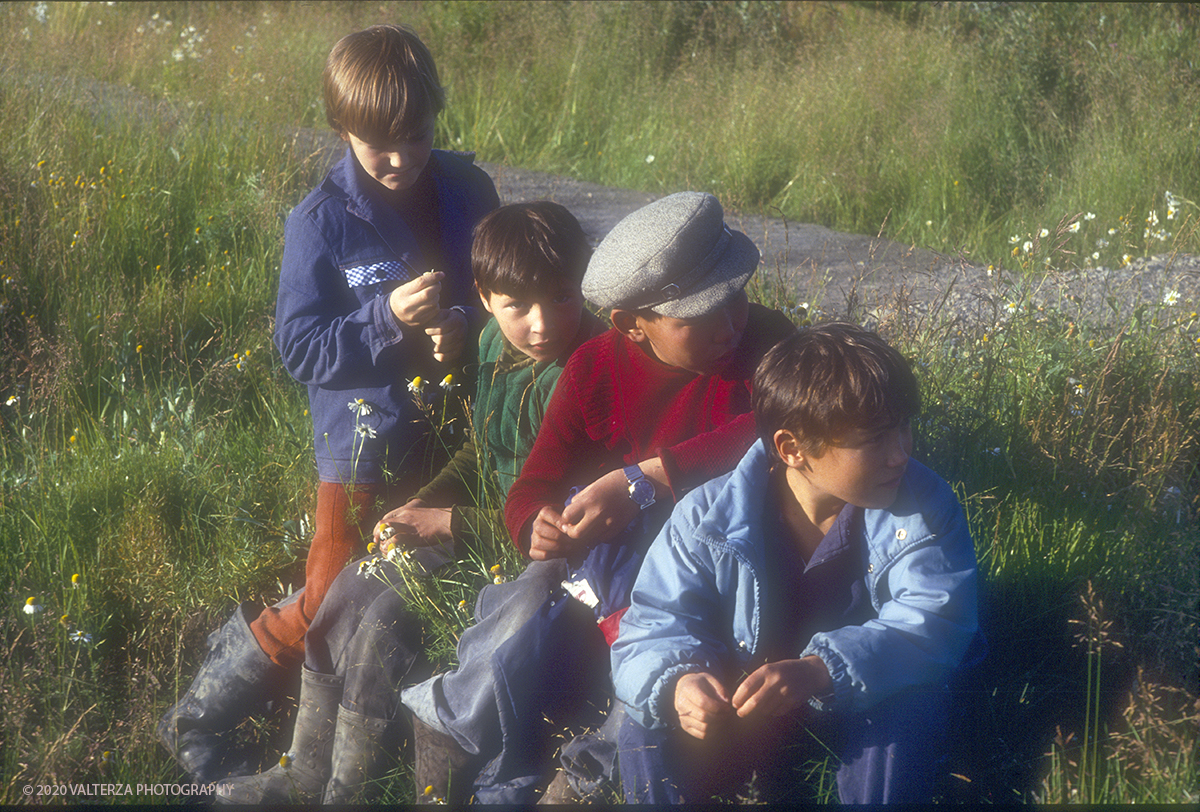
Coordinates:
x,y
367,633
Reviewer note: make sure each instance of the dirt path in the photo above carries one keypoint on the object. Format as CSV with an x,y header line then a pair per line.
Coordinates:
x,y
817,263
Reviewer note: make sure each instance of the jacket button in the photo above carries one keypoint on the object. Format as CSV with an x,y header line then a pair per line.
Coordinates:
x,y
742,645
870,567
902,534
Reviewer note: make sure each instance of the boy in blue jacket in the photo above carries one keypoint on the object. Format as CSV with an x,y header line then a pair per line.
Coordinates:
x,y
373,291
825,590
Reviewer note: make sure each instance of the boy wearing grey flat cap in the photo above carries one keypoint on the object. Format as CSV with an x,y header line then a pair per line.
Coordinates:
x,y
656,405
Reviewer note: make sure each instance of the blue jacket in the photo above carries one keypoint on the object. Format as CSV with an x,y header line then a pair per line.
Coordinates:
x,y
697,599
343,253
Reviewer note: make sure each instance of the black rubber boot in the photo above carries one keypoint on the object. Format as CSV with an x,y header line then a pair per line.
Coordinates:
x,y
444,772
363,749
303,771
235,681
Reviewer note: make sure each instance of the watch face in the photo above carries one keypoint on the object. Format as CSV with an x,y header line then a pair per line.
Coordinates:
x,y
642,491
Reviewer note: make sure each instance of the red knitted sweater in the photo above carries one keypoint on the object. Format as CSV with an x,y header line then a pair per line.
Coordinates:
x,y
615,405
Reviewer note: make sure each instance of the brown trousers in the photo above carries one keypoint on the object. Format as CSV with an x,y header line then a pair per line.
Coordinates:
x,y
345,516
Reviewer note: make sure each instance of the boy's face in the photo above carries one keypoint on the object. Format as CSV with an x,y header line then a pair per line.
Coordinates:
x,y
395,165
541,326
863,468
699,344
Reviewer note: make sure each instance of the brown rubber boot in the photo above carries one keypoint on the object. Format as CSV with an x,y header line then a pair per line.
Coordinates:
x,y
443,770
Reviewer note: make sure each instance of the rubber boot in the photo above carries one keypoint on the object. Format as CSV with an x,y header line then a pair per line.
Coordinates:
x,y
303,771
235,682
363,749
444,772
560,791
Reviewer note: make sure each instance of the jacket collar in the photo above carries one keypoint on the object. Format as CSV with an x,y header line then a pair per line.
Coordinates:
x,y
737,512
348,182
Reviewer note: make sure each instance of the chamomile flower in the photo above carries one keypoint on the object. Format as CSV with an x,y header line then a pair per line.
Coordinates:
x,y
1171,298
1014,239
81,638
1126,259
1074,227
1089,216
31,607
360,407
1045,232
286,760
416,386
13,400
364,431
76,579
1010,308
1027,247
497,576
448,384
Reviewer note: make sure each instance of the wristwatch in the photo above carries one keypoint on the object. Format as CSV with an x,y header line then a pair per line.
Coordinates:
x,y
641,490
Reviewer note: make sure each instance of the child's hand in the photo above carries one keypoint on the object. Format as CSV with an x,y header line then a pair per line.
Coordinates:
x,y
603,509
416,301
600,511
546,537
701,703
778,688
449,332
424,525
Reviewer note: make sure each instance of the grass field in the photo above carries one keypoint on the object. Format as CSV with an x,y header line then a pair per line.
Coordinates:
x,y
156,461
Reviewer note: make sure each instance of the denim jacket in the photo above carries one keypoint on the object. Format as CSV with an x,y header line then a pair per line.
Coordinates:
x,y
343,253
697,599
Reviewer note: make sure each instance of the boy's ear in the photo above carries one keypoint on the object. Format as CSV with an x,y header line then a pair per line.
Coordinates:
x,y
626,321
788,448
483,297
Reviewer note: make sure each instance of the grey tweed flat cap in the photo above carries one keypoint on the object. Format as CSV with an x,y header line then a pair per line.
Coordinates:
x,y
675,256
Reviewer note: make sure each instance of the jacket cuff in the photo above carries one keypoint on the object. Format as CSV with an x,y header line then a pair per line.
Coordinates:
x,y
664,692
388,330
838,696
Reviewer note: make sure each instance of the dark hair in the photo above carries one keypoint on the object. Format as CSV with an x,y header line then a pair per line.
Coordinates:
x,y
821,382
528,248
380,84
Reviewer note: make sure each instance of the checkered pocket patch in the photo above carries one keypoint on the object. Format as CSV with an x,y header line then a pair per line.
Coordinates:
x,y
361,275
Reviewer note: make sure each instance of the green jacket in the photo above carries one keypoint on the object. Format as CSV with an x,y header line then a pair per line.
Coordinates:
x,y
510,399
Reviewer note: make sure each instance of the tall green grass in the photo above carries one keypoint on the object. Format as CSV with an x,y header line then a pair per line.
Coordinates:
x,y
151,442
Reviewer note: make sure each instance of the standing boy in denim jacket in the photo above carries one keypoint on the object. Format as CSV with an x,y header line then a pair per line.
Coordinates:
x,y
824,590
366,642
373,291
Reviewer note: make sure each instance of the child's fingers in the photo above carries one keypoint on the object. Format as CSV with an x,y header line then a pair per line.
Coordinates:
x,y
700,703
427,279
546,539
